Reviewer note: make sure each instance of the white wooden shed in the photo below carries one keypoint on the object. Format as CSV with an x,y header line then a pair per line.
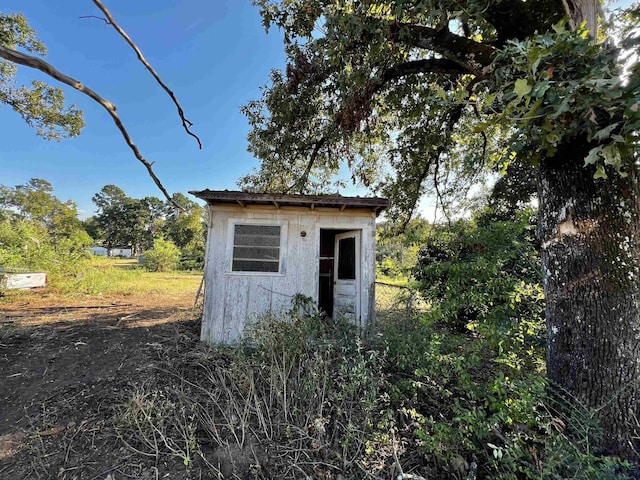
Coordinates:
x,y
262,249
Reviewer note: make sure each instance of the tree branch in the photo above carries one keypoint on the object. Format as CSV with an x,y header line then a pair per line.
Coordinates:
x,y
110,20
430,65
454,116
471,55
106,22
317,145
39,64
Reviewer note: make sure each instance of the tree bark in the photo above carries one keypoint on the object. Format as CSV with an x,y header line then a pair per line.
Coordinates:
x,y
590,241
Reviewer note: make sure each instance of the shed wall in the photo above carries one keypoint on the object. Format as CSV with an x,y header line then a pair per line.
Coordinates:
x,y
234,298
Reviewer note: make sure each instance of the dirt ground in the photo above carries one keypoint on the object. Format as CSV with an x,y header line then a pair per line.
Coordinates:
x,y
64,364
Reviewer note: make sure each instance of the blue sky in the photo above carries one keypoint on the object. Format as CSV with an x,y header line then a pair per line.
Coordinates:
x,y
214,55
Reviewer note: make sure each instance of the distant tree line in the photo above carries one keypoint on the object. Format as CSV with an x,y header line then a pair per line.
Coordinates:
x,y
38,230
139,223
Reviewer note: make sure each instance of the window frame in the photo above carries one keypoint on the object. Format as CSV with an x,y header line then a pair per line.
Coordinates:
x,y
283,224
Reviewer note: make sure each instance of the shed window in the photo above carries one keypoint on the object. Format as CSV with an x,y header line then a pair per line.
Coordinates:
x,y
256,248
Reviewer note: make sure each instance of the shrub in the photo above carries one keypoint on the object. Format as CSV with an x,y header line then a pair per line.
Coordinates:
x,y
163,257
485,279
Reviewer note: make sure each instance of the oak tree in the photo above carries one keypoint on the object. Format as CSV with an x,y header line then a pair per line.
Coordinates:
x,y
421,96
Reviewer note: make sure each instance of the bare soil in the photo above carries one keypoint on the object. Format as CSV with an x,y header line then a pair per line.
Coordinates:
x,y
65,363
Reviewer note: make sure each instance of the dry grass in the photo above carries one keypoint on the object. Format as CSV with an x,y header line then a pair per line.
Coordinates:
x,y
106,277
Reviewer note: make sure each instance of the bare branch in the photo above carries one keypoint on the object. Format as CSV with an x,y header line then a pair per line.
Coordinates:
x,y
39,64
439,197
454,116
317,145
110,20
106,22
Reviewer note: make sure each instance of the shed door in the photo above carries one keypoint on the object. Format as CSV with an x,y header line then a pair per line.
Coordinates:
x,y
346,277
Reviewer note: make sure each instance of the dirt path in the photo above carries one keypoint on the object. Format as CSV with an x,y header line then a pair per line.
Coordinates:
x,y
64,364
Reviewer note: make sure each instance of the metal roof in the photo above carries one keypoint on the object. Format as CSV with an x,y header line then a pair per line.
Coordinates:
x,y
218,197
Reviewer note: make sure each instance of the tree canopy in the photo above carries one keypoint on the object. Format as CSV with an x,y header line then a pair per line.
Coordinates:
x,y
420,97
40,105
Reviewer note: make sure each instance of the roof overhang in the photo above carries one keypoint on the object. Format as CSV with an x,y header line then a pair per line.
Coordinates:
x,y
244,199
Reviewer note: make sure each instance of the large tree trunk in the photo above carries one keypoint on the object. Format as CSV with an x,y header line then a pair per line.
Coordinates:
x,y
589,232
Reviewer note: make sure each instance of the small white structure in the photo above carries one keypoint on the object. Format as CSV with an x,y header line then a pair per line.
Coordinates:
x,y
263,249
22,281
99,251
120,252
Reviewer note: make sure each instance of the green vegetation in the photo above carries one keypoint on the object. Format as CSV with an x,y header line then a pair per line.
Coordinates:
x,y
303,397
141,223
40,105
40,232
437,97
164,256
99,275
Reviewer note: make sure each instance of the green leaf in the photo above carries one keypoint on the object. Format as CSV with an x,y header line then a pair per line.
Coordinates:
x,y
532,111
541,88
600,173
553,138
612,156
605,132
561,26
522,87
594,156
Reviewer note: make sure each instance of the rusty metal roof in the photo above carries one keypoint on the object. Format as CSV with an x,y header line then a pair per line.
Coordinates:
x,y
219,197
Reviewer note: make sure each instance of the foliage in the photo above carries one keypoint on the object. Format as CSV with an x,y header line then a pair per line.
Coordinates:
x,y
484,278
464,411
558,85
302,396
396,255
40,105
420,97
164,256
186,228
40,232
125,221
106,276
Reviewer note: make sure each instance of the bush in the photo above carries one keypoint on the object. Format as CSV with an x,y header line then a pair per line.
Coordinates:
x,y
460,412
27,246
163,257
485,279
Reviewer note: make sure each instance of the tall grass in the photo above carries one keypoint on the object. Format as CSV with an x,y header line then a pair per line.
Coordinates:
x,y
101,275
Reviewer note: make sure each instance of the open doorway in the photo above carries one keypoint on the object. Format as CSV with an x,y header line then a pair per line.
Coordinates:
x,y
339,270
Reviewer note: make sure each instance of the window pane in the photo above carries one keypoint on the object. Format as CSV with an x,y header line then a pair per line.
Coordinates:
x,y
259,266
273,230
257,240
347,258
256,248
256,253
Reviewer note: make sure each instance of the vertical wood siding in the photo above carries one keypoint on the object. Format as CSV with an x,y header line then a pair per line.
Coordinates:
x,y
234,298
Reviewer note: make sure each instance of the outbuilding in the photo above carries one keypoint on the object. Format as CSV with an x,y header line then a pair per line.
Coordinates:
x,y
263,249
